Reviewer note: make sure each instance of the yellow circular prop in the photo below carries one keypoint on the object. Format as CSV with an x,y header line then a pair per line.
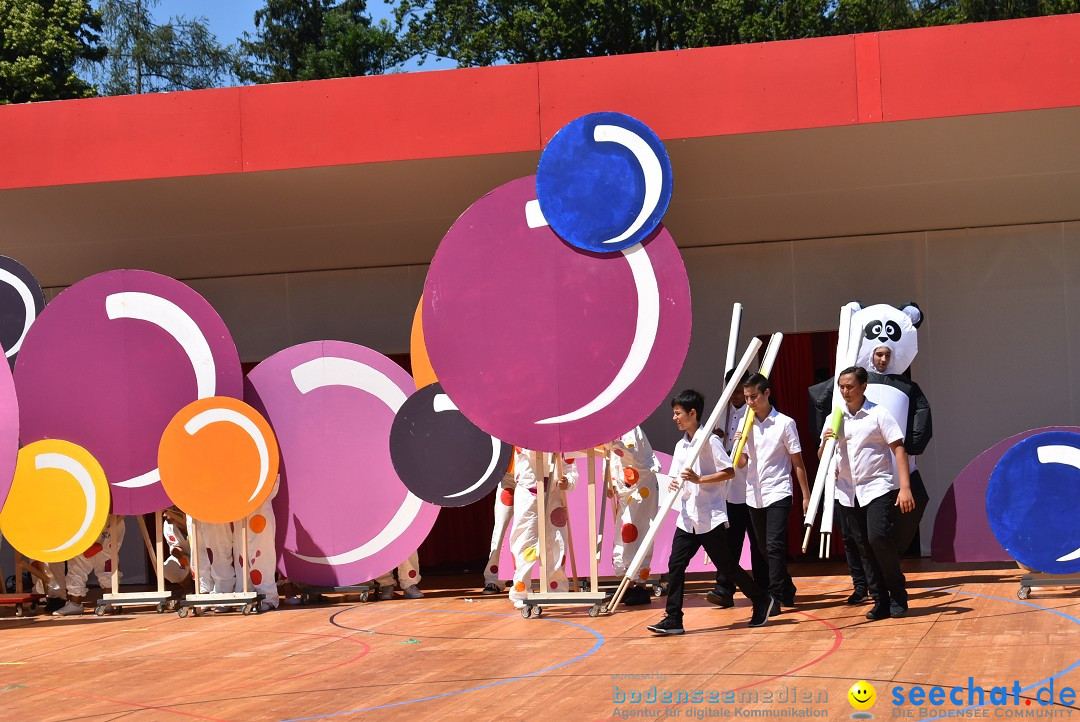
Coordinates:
x,y
422,372
218,459
59,501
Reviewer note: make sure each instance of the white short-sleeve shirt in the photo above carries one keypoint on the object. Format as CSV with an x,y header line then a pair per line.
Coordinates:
x,y
736,493
866,459
768,450
702,507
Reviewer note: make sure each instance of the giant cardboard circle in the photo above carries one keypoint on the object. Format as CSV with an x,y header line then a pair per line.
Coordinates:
x,y
21,301
218,459
343,515
423,374
9,431
545,346
109,363
59,501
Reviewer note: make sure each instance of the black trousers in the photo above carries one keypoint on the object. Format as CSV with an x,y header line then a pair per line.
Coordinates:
x,y
683,548
860,558
771,529
879,519
739,526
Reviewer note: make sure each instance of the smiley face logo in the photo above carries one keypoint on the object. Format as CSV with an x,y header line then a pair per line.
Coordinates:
x,y
862,696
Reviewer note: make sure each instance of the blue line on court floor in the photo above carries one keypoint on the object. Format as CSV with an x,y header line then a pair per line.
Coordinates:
x,y
599,643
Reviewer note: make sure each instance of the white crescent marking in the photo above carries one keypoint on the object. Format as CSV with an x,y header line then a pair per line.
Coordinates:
x,y
211,416
78,471
534,217
28,305
442,402
334,371
174,321
1070,456
650,167
648,324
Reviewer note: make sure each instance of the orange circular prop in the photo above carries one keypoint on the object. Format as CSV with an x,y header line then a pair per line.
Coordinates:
x,y
422,372
218,459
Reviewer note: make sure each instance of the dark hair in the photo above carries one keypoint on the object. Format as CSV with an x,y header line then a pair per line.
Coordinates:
x,y
730,373
759,382
857,371
690,400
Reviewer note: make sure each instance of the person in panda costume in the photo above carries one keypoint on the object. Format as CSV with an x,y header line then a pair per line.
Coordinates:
x,y
887,348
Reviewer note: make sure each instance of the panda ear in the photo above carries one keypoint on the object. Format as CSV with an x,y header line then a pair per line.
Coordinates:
x,y
912,311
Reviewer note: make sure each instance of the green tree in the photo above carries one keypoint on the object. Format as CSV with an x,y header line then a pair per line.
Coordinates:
x,y
147,57
41,44
314,39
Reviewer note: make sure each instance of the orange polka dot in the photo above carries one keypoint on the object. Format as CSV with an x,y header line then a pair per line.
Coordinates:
x,y
256,576
644,574
630,474
519,587
629,533
257,523
643,492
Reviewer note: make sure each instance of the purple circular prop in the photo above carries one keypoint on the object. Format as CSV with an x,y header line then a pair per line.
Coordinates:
x,y
9,431
440,455
343,515
109,363
546,346
21,301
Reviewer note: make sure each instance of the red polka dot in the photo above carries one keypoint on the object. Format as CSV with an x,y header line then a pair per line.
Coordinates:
x,y
558,516
630,474
554,585
258,553
241,560
494,569
629,533
519,587
507,497
256,576
257,523
412,574
618,452
569,461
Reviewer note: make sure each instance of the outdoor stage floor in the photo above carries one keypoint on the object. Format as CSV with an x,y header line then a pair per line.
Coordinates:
x,y
458,655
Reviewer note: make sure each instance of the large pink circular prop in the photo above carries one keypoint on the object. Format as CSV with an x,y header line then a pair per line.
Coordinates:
x,y
546,346
9,432
109,363
343,515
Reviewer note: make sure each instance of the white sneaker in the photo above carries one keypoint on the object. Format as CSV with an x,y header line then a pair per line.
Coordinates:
x,y
69,609
519,603
413,592
386,593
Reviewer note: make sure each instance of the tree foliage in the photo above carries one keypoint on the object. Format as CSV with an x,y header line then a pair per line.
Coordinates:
x,y
313,39
41,44
145,56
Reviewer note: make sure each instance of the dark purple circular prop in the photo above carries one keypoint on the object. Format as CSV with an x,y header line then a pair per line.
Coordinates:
x,y
442,456
21,301
546,346
109,363
343,515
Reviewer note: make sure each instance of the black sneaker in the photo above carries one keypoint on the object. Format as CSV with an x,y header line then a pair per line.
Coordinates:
x,y
859,596
788,597
776,610
54,603
491,589
636,596
762,612
724,601
667,625
880,610
896,609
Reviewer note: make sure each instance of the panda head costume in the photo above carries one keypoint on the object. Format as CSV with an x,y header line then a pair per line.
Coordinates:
x,y
891,326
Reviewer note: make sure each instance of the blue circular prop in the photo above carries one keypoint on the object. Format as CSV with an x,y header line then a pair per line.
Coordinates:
x,y
1032,500
604,182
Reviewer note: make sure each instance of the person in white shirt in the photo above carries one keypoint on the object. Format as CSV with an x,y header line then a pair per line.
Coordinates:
x,y
633,476
872,458
525,535
504,511
96,559
739,524
702,518
773,454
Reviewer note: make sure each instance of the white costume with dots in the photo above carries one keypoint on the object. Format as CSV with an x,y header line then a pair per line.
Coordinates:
x,y
504,511
408,574
100,562
176,568
221,547
524,538
633,474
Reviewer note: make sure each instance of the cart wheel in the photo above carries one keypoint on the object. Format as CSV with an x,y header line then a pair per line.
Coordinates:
x,y
659,589
100,610
305,598
161,607
247,609
1023,592
182,612
364,597
539,611
19,610
198,611
594,610
526,612
586,585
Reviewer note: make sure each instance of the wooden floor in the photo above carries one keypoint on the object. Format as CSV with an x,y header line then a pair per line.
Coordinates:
x,y
456,655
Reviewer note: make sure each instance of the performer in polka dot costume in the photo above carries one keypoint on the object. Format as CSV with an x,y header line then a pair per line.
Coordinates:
x,y
525,538
504,511
221,547
408,576
633,476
